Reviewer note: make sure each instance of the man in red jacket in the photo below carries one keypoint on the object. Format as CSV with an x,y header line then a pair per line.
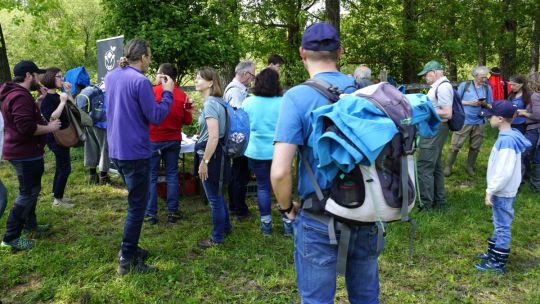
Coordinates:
x,y
165,141
24,144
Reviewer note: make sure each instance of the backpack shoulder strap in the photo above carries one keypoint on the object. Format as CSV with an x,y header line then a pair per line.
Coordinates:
x,y
326,89
437,88
467,85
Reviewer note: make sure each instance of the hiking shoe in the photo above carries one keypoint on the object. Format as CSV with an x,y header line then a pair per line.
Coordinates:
x,y
244,217
205,244
104,180
173,218
288,229
266,228
136,264
62,203
151,220
141,253
19,244
490,266
38,228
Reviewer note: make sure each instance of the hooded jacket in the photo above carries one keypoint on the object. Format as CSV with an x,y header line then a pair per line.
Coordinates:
x,y
21,117
504,165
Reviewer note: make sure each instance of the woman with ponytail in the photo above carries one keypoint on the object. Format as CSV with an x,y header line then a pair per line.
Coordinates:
x,y
131,107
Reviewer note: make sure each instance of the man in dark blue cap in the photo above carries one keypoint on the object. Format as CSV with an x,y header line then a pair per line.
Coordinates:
x,y
315,257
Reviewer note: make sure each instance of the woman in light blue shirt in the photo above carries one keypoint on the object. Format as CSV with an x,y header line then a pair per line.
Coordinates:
x,y
263,110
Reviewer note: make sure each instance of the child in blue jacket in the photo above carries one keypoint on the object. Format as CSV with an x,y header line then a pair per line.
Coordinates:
x,y
503,180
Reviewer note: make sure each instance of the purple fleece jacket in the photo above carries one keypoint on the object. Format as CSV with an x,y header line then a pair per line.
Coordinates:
x,y
131,107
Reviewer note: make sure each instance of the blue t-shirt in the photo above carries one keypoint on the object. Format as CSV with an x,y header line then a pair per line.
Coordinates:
x,y
263,115
472,113
518,101
294,124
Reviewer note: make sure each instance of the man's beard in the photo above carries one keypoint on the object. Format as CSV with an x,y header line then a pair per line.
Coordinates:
x,y
34,85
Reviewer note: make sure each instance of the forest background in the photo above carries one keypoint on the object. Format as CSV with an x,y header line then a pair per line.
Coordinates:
x,y
398,36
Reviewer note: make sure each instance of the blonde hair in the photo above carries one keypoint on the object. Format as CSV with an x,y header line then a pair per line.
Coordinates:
x,y
209,74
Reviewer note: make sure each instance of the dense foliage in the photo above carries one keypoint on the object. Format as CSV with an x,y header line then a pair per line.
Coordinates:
x,y
395,35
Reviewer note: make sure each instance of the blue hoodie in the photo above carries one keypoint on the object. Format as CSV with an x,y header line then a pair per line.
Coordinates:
x,y
504,166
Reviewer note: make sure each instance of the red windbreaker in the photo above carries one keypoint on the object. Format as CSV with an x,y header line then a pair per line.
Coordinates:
x,y
171,127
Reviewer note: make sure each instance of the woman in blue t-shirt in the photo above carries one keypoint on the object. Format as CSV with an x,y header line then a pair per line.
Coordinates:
x,y
212,164
52,108
519,96
263,111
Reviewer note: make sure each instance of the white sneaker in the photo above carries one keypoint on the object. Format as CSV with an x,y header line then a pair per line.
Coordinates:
x,y
61,203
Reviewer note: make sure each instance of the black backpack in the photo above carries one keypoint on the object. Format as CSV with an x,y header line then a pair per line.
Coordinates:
x,y
458,113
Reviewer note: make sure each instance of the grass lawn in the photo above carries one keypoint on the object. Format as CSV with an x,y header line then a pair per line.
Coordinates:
x,y
75,262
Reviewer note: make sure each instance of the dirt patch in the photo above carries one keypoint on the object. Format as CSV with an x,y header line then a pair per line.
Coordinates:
x,y
33,283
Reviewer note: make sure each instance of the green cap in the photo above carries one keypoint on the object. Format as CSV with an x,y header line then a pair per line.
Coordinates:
x,y
431,66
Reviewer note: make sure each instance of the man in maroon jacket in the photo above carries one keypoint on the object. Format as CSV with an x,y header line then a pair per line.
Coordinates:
x,y
24,144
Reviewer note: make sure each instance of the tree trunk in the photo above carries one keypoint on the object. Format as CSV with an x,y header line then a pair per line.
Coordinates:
x,y
535,42
508,41
5,72
408,59
332,13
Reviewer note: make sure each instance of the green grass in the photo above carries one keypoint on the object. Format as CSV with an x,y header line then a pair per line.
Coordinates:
x,y
76,261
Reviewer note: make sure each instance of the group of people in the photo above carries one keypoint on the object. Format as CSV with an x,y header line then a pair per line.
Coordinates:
x,y
143,127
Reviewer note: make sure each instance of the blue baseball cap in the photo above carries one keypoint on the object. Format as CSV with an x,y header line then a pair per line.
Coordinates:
x,y
502,108
321,36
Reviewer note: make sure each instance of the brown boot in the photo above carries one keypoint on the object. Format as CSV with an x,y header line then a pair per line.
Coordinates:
x,y
450,159
471,160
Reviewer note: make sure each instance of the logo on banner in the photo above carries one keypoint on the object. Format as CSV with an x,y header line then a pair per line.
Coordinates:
x,y
110,58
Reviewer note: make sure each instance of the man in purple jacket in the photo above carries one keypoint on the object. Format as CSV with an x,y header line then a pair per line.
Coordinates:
x,y
131,107
24,144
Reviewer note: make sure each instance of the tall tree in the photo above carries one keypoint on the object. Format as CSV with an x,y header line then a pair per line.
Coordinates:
x,y
5,72
535,38
409,58
333,13
508,40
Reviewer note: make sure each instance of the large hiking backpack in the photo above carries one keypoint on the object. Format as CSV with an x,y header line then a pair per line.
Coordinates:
x,y
385,190
458,113
236,131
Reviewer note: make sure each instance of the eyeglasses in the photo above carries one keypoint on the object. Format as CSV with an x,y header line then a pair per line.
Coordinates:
x,y
59,76
251,74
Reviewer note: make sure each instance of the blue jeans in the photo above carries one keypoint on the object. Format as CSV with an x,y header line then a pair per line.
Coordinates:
x,y
264,187
136,175
63,168
168,151
3,198
23,212
221,223
503,214
532,154
315,263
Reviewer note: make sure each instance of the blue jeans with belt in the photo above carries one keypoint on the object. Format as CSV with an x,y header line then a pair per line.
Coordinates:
x,y
168,151
23,212
136,175
315,262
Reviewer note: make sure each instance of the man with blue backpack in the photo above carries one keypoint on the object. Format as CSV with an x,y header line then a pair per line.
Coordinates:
x,y
315,256
430,171
234,94
96,151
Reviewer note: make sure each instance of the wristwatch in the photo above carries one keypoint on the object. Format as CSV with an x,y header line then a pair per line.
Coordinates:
x,y
283,211
206,161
